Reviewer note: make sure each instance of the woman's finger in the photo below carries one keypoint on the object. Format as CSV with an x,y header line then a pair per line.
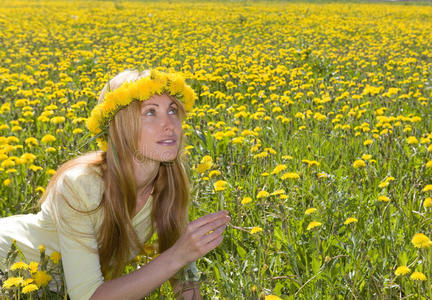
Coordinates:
x,y
213,244
203,230
214,234
208,219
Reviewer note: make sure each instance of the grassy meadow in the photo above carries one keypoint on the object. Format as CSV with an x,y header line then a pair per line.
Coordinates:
x,y
312,127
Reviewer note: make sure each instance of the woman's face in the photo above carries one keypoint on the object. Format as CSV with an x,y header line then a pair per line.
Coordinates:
x,y
161,129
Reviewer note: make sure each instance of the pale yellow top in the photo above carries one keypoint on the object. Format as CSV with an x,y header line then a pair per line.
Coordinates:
x,y
61,228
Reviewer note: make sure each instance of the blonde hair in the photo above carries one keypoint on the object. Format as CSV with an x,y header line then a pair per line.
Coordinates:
x,y
117,239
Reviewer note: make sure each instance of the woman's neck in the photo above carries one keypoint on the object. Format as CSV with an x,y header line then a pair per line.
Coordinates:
x,y
145,175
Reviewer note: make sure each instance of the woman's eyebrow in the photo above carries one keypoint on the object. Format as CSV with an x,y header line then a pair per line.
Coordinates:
x,y
145,104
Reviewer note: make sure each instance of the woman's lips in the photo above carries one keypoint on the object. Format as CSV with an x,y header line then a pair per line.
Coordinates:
x,y
167,142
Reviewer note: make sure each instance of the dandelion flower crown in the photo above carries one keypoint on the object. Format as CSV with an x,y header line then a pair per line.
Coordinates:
x,y
142,89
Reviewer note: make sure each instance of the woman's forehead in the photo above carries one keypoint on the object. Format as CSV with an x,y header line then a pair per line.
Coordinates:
x,y
159,99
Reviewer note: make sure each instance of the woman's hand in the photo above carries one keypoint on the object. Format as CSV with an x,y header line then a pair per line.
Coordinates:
x,y
201,236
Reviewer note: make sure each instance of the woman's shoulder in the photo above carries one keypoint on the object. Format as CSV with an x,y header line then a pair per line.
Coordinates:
x,y
82,182
83,172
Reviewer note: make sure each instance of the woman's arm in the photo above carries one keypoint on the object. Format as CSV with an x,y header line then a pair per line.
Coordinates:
x,y
138,284
194,243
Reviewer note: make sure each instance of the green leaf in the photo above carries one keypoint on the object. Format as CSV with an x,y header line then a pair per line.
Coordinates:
x,y
216,272
242,252
316,264
277,289
403,258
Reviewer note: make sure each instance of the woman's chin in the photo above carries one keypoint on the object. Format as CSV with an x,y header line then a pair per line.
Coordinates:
x,y
167,156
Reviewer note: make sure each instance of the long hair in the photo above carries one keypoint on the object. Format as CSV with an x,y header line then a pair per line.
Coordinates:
x,y
117,239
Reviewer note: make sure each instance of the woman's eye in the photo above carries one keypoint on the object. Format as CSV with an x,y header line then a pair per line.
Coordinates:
x,y
150,112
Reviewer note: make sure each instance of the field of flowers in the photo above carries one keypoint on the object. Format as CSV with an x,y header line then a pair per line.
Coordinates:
x,y
312,128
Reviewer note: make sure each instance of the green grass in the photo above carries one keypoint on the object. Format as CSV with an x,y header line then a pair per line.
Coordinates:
x,y
281,59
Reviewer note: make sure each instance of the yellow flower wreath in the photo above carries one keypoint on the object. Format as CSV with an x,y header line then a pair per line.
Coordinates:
x,y
140,90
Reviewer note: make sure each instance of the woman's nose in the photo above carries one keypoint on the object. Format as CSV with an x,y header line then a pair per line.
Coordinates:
x,y
167,124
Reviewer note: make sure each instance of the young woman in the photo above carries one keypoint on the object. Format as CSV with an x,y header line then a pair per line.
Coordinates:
x,y
100,208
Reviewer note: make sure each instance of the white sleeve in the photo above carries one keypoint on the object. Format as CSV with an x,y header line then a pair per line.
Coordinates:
x,y
77,237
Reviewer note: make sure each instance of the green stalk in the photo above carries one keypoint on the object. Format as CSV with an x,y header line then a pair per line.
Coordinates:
x,y
428,254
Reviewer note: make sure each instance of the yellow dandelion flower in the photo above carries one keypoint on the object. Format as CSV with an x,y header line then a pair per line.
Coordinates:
x,y
300,115
278,192
290,175
31,141
51,171
428,202
366,156
29,288
429,164
359,163
214,173
255,230
383,198
57,120
311,163
35,168
278,169
50,149
310,211
7,182
418,276
421,241
230,133
55,257
218,135
41,248
42,278
19,266
313,224
7,163
367,142
13,281
33,267
322,175
383,184
289,157
28,157
272,297
13,170
246,200
48,138
412,140
427,188
206,164
350,220
201,168
262,194
77,131
220,185
402,270
238,140
27,281
261,155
